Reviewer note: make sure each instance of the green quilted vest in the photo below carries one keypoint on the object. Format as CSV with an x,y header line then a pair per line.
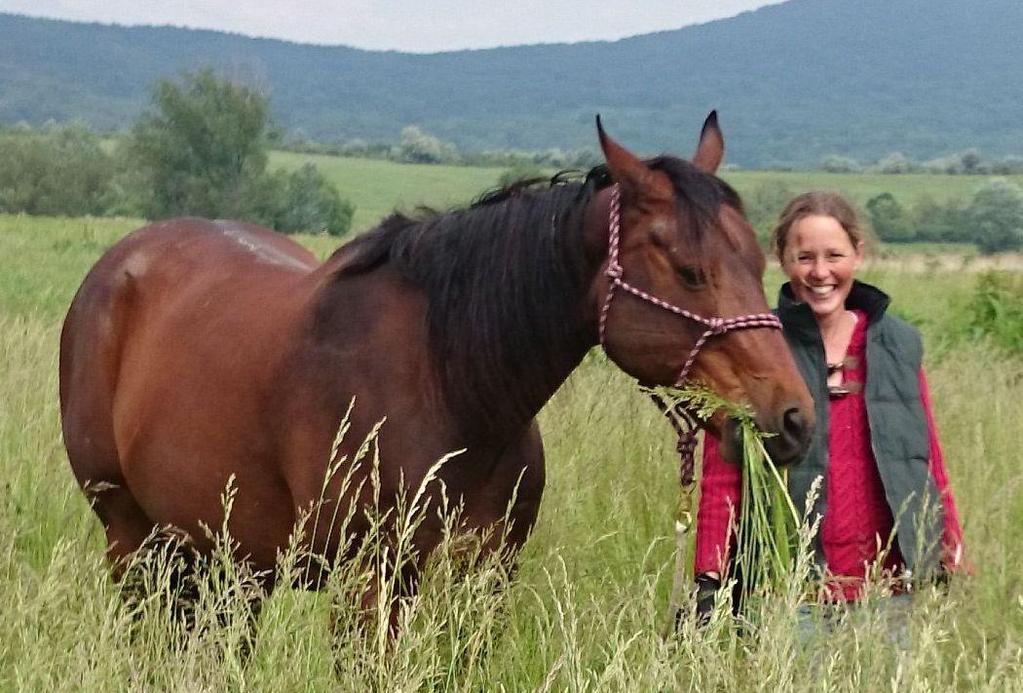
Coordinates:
x,y
898,424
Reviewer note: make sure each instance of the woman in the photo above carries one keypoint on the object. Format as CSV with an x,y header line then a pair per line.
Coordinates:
x,y
875,446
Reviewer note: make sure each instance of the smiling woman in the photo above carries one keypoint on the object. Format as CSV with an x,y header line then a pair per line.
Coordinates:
x,y
886,504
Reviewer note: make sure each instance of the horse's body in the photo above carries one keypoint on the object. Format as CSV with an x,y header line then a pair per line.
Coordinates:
x,y
198,350
193,376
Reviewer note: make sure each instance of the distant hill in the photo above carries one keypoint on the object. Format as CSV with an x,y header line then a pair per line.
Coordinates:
x,y
793,82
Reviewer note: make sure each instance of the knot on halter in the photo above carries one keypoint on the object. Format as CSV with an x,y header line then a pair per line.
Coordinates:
x,y
717,325
614,270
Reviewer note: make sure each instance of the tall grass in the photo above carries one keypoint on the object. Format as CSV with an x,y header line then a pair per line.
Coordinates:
x,y
586,607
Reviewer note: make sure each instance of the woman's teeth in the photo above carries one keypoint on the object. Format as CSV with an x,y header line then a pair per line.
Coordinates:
x,y
821,290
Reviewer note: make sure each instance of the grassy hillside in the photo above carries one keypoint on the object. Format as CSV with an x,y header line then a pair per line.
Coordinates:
x,y
586,611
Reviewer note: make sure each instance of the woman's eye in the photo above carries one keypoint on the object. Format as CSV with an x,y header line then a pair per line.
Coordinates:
x,y
693,276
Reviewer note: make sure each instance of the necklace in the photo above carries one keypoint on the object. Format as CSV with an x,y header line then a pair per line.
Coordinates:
x,y
843,387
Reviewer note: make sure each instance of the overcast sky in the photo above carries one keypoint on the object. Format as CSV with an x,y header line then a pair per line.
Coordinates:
x,y
406,25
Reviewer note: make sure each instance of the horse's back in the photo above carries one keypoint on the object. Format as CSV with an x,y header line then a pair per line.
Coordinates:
x,y
164,358
153,271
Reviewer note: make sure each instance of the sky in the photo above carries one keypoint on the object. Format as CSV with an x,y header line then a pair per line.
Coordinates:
x,y
421,26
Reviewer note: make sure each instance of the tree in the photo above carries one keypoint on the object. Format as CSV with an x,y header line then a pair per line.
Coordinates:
x,y
419,147
896,162
313,205
995,216
836,163
972,161
889,218
202,147
202,150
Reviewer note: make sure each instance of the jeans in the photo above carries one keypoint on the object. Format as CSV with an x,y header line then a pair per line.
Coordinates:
x,y
815,621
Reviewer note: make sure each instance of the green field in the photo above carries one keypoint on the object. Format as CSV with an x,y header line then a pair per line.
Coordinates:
x,y
377,187
586,610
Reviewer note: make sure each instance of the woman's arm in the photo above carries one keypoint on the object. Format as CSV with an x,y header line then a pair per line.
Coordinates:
x,y
720,487
952,537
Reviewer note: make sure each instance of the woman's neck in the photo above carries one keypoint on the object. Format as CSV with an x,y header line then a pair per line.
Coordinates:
x,y
836,332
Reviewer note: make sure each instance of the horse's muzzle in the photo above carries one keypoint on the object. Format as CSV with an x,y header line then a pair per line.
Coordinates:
x,y
786,442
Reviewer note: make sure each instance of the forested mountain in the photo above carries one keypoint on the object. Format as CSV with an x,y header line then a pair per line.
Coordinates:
x,y
792,82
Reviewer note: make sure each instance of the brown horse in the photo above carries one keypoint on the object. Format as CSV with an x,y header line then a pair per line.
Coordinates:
x,y
196,350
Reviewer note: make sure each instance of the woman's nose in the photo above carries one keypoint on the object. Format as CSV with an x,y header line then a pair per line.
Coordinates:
x,y
818,270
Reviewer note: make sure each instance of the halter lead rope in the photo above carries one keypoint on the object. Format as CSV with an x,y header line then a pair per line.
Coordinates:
x,y
715,326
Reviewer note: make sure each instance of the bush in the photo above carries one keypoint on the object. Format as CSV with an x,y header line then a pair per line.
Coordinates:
x,y
889,219
312,204
519,172
61,172
938,222
996,310
995,216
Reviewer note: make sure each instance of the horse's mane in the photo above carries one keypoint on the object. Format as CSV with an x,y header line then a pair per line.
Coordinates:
x,y
504,274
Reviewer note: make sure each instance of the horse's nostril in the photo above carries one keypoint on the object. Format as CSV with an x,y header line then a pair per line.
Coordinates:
x,y
793,423
793,438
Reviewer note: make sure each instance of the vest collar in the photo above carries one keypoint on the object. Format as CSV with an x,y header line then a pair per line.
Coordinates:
x,y
798,317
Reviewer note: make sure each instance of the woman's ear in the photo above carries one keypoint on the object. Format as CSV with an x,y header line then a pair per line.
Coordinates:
x,y
860,250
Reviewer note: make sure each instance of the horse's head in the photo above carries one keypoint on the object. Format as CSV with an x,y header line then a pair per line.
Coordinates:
x,y
682,296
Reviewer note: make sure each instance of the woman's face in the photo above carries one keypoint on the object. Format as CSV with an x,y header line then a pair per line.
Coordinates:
x,y
820,261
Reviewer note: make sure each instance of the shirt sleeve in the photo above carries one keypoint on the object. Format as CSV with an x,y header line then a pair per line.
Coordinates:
x,y
720,488
952,535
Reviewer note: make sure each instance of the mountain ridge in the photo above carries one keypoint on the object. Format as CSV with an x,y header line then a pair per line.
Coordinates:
x,y
793,82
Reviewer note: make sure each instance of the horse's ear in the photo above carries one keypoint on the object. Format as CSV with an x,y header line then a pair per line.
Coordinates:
x,y
711,149
625,167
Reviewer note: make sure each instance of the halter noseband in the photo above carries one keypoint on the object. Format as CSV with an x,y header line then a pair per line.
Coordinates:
x,y
715,326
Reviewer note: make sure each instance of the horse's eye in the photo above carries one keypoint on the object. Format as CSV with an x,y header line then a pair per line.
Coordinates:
x,y
692,276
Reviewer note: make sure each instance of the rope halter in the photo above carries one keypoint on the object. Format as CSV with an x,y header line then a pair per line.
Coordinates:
x,y
715,326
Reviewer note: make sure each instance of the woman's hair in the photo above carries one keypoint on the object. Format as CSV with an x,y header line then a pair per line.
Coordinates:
x,y
817,202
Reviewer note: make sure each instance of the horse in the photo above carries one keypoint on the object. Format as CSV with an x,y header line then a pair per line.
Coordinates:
x,y
198,352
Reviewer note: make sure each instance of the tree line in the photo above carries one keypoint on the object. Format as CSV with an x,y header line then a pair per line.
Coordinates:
x,y
992,219
968,162
201,149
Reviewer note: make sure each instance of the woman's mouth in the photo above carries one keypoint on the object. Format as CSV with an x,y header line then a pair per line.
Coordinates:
x,y
821,291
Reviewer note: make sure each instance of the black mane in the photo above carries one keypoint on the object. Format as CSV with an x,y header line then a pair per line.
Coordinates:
x,y
506,278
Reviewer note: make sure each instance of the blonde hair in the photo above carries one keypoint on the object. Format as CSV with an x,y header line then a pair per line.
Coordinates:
x,y
822,203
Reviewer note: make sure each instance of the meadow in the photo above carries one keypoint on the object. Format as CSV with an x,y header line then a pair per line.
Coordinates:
x,y
378,187
586,610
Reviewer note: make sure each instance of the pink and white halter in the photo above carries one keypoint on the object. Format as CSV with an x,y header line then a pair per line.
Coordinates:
x,y
715,326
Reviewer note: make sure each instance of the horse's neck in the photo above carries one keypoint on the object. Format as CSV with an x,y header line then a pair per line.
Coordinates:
x,y
505,341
